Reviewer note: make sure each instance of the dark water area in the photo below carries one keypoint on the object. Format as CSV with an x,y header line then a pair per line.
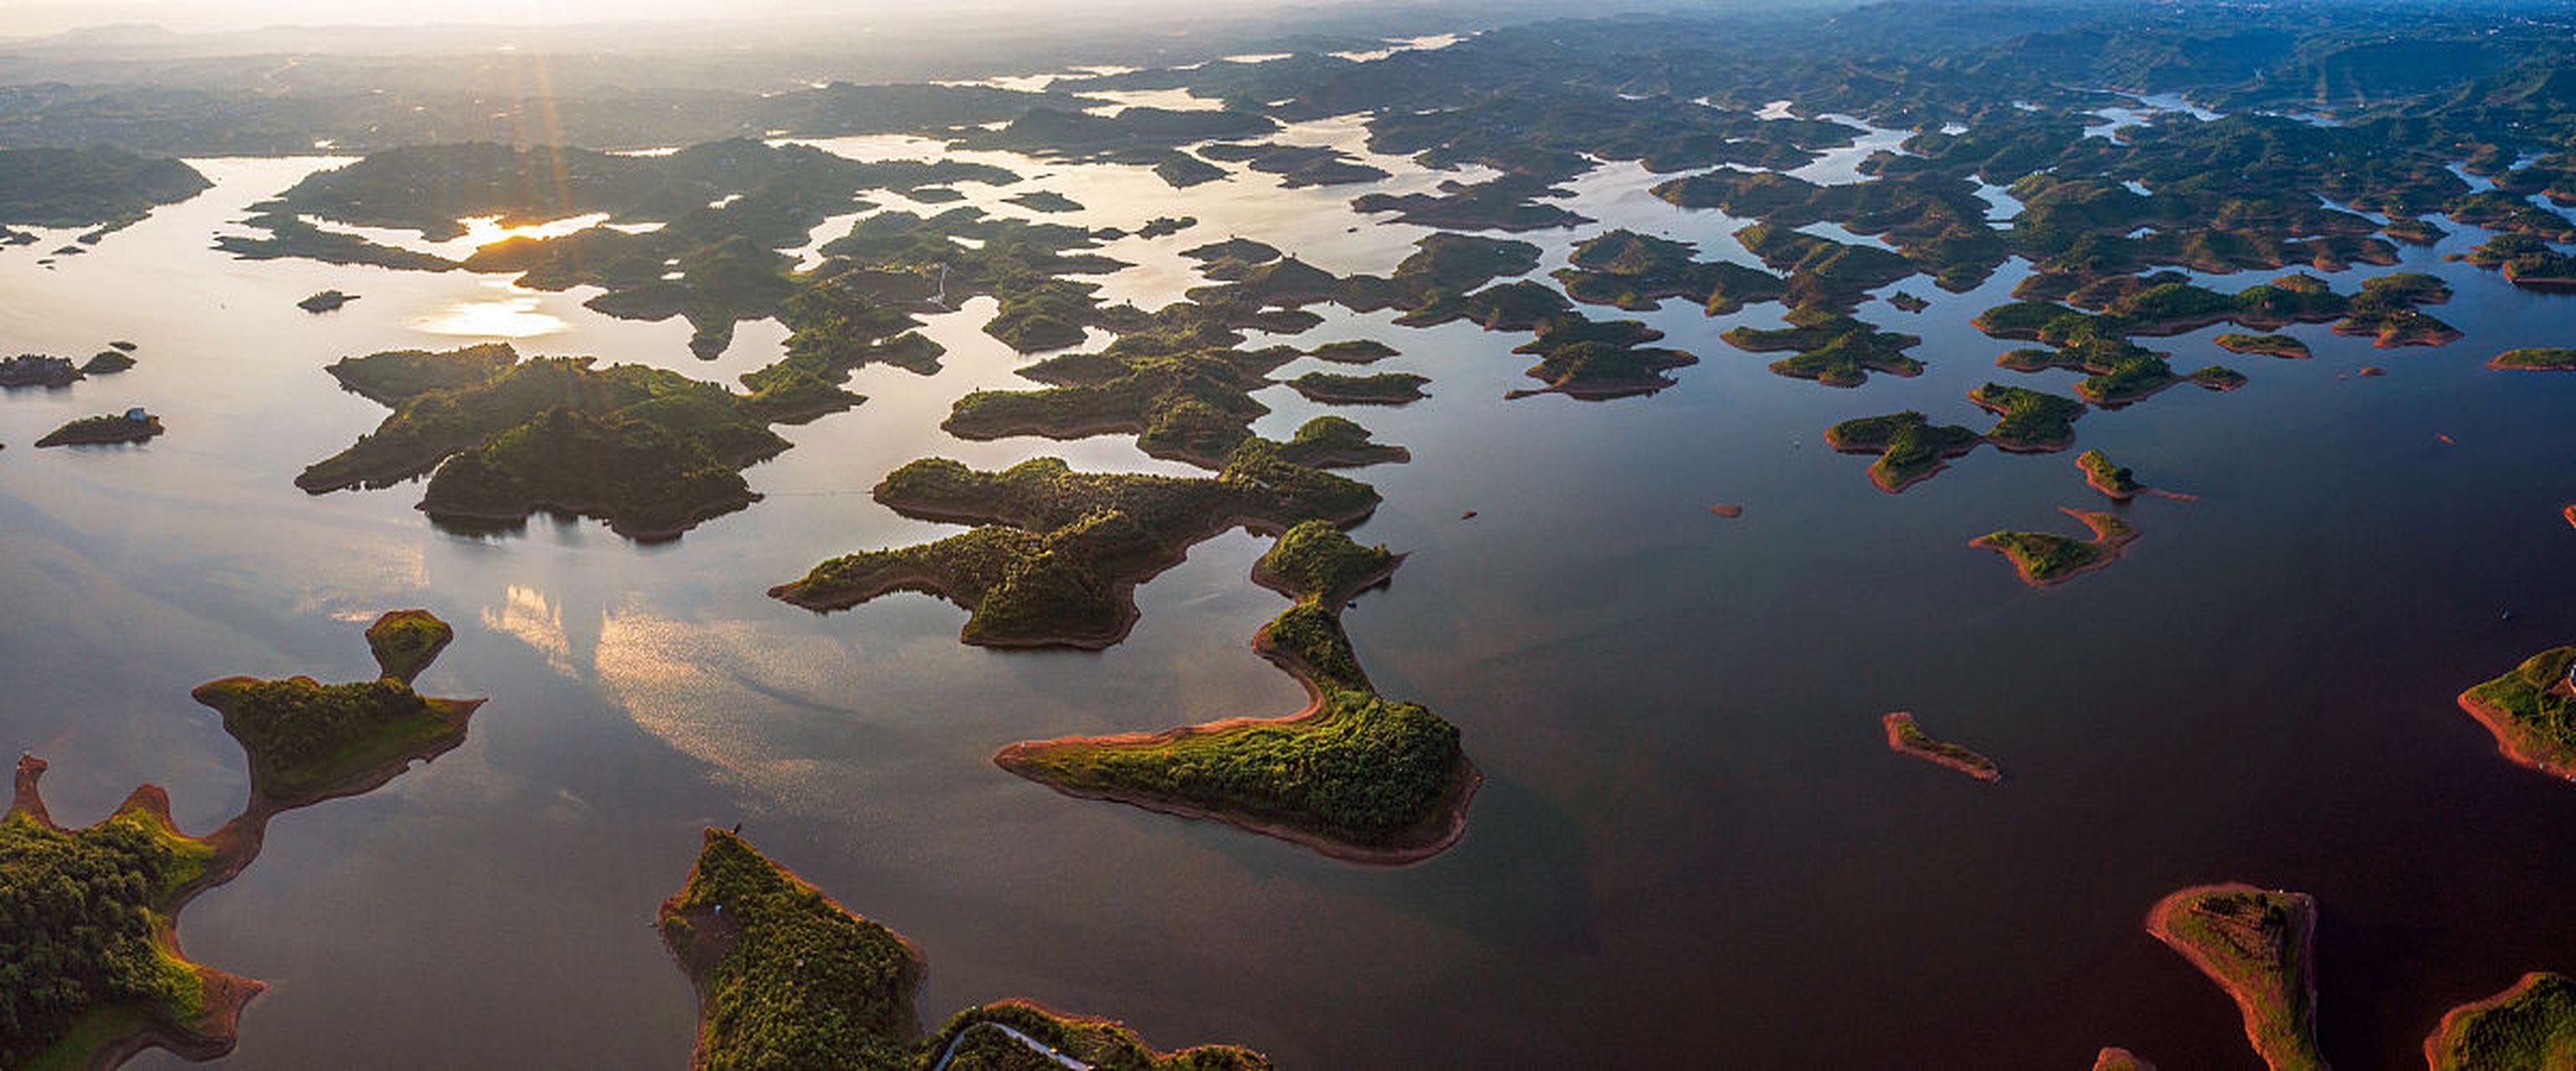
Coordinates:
x,y
1692,838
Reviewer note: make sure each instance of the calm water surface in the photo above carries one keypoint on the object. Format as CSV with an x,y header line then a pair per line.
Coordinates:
x,y
1691,837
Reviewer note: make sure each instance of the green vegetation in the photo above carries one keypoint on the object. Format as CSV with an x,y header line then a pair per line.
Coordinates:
x,y
1336,442
2531,1026
405,642
1193,406
291,235
1383,388
2272,345
1597,359
109,428
2046,558
1909,446
651,452
1183,170
1636,272
2536,359
2031,421
2256,944
2532,711
1834,349
787,978
397,376
973,1045
2107,476
1907,738
1057,554
83,920
1509,203
2216,377
1298,165
51,187
1044,201
1353,351
1355,774
2527,262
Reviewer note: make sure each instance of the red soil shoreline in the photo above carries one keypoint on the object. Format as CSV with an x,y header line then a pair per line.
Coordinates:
x,y
1450,819
2509,741
2111,547
1896,722
2303,918
2451,1019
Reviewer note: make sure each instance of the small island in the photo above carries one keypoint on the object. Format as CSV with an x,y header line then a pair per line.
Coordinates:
x,y
1910,448
2045,559
1353,351
1834,349
2030,421
786,977
130,426
326,301
2531,710
90,916
2114,1058
2282,346
38,370
2531,1026
2536,359
1383,388
1906,738
2216,377
1056,555
1355,776
2112,479
107,363
2260,946
310,741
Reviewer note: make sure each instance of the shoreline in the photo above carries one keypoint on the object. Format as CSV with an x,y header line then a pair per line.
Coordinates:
x,y
2303,919
2111,548
2501,724
1898,723
1445,826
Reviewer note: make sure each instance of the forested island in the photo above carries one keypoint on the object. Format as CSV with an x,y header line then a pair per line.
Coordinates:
x,y
1906,738
1355,776
2531,709
89,916
2046,559
786,977
2260,946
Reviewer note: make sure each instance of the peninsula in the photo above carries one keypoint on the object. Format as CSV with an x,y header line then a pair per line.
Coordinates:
x,y
2260,946
1906,738
2532,712
786,977
95,974
1354,775
2530,1026
131,426
2045,559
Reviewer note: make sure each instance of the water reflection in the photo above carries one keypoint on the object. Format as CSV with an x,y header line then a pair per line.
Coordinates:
x,y
514,314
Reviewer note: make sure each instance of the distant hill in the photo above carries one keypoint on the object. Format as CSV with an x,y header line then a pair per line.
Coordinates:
x,y
45,187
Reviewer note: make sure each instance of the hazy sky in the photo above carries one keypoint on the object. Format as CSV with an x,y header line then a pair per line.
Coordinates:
x,y
22,18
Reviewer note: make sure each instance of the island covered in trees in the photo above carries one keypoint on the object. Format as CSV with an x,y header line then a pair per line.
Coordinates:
x,y
786,977
89,917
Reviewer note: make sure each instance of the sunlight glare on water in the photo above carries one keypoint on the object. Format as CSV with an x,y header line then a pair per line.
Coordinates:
x,y
512,314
